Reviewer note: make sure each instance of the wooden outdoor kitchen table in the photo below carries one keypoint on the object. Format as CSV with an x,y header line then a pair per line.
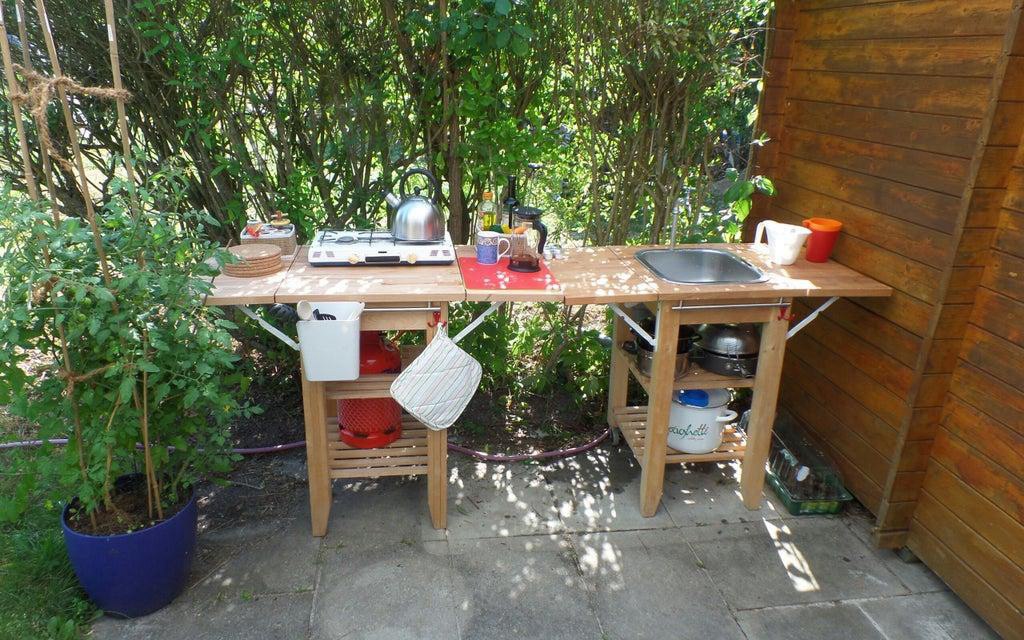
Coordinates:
x,y
406,298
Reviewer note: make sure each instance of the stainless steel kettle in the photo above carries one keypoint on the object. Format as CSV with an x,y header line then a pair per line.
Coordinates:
x,y
417,218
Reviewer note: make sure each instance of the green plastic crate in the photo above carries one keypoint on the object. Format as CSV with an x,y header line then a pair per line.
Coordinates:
x,y
802,477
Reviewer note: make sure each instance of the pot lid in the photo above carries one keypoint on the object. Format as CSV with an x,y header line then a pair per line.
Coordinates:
x,y
703,399
527,213
730,339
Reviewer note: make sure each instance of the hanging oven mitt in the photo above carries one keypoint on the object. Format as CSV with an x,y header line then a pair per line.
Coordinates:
x,y
438,385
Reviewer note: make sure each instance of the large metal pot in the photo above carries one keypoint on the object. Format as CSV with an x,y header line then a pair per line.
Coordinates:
x,y
728,349
643,352
417,218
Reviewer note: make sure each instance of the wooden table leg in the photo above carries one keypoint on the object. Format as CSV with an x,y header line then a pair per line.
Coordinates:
x,y
437,477
618,376
317,472
762,410
437,459
659,403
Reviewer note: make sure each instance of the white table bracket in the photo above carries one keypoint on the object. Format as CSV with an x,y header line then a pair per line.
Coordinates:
x,y
634,326
477,321
810,317
274,331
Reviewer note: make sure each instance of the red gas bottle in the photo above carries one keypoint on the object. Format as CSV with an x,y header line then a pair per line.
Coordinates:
x,y
372,422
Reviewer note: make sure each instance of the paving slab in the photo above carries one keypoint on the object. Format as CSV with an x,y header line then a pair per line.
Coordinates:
x,y
826,621
600,491
278,617
650,585
401,590
498,500
371,514
774,563
927,616
283,562
521,588
916,576
709,493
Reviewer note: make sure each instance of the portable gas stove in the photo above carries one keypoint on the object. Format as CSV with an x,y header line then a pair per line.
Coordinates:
x,y
333,248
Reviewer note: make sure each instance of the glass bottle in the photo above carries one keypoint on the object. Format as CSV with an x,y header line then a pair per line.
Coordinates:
x,y
487,214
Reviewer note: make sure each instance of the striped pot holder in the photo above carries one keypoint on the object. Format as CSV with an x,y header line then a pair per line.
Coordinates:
x,y
438,385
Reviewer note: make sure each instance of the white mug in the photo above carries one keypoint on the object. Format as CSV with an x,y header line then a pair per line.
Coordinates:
x,y
784,240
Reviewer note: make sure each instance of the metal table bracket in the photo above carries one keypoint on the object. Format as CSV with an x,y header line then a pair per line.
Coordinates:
x,y
477,321
810,318
634,326
274,331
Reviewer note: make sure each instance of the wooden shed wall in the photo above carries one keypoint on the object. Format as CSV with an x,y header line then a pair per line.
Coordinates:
x,y
968,525
894,118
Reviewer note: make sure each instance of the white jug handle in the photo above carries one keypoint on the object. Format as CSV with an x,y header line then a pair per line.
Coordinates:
x,y
760,231
728,416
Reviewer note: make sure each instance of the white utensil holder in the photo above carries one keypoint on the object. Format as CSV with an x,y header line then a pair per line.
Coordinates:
x,y
330,348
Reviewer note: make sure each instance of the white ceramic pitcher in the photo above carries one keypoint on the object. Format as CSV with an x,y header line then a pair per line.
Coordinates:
x,y
784,240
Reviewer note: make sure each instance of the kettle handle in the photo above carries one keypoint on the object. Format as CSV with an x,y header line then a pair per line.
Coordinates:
x,y
434,188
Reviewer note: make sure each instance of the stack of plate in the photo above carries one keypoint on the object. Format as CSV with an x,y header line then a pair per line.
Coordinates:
x,y
254,260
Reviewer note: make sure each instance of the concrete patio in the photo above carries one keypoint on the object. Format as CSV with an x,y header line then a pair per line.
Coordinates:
x,y
541,551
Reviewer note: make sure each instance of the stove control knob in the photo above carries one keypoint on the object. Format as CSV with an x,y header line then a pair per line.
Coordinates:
x,y
353,259
411,259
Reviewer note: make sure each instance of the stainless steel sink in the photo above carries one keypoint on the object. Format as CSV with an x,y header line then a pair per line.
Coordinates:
x,y
699,266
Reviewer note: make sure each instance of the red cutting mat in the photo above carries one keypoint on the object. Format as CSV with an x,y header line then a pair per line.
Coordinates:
x,y
498,276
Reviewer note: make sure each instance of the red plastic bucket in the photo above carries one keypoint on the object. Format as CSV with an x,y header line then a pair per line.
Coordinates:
x,y
824,232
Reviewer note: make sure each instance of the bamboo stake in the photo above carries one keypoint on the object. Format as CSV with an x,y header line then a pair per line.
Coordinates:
x,y
12,90
26,60
76,150
122,118
152,486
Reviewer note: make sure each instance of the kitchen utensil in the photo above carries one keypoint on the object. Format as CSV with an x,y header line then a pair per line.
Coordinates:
x,y
488,247
644,357
697,420
728,349
528,240
304,309
330,348
824,232
417,218
784,240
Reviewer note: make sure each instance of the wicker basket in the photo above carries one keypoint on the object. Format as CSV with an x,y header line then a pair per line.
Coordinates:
x,y
283,237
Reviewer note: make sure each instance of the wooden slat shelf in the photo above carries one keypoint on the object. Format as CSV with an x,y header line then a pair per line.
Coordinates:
x,y
694,378
371,386
632,421
406,456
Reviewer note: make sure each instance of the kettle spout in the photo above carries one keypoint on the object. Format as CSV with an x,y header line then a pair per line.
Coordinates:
x,y
392,200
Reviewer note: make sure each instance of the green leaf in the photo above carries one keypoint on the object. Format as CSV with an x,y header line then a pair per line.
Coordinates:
x,y
738,191
742,209
501,42
147,366
502,7
732,174
520,47
765,185
125,390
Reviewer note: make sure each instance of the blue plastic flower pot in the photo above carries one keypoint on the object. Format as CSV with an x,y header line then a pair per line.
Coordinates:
x,y
134,574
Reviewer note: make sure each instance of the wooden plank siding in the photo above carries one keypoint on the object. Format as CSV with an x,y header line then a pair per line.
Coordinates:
x,y
901,119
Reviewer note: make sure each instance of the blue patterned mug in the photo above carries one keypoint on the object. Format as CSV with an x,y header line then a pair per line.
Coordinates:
x,y
488,247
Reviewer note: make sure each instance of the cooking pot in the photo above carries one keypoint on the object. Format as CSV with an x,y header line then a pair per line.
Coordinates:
x,y
642,353
728,349
697,420
417,218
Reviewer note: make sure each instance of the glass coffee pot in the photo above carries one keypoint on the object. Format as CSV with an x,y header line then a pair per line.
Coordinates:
x,y
528,237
